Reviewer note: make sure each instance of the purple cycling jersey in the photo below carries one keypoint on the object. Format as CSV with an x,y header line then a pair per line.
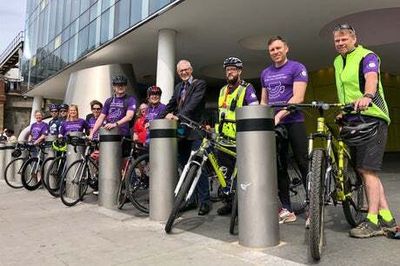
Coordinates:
x,y
154,112
371,63
38,129
279,83
79,125
115,109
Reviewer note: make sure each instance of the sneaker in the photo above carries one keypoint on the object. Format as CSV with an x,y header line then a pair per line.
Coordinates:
x,y
366,229
286,216
387,226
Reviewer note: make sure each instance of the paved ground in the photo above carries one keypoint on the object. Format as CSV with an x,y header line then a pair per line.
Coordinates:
x,y
37,229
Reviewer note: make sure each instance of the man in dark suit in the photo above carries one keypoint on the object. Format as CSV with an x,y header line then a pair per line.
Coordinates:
x,y
188,99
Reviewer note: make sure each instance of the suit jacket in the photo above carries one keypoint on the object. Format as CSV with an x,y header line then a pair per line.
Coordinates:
x,y
194,104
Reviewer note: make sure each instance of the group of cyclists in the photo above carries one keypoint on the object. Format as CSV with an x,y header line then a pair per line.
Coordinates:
x,y
284,81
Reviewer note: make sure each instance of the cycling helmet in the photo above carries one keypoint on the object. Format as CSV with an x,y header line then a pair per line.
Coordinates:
x,y
359,134
53,107
233,61
119,80
153,90
63,106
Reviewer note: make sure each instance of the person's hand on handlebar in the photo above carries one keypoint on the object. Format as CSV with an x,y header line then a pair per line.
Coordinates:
x,y
362,103
171,116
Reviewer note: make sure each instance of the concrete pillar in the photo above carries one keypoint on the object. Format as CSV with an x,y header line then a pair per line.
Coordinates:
x,y
257,177
2,158
49,153
163,168
166,67
36,105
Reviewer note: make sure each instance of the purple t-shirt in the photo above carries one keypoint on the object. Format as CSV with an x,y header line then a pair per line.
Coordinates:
x,y
155,112
39,129
115,109
371,63
79,125
279,83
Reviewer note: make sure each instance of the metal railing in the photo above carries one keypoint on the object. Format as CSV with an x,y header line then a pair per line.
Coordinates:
x,y
11,47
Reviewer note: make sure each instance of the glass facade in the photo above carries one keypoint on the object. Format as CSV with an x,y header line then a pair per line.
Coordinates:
x,y
59,32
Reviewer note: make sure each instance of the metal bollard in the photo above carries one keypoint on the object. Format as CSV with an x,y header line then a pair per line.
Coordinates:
x,y
109,167
2,161
73,154
9,148
49,153
257,177
163,168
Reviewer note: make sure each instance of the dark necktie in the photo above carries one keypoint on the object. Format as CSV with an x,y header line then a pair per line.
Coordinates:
x,y
185,86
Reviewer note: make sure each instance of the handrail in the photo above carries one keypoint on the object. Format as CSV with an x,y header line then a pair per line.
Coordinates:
x,y
11,47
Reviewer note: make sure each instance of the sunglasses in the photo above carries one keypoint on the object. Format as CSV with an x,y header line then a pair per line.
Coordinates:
x,y
344,27
53,111
63,111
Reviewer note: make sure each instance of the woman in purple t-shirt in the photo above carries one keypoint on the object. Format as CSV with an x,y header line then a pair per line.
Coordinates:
x,y
73,122
39,129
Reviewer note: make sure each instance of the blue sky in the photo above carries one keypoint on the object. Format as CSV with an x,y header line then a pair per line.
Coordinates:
x,y
12,20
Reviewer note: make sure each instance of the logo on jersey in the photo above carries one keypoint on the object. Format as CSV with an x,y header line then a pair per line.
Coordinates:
x,y
304,73
371,65
275,89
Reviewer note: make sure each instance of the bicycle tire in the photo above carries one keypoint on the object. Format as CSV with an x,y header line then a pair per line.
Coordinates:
x,y
55,171
316,211
77,168
9,171
180,197
137,183
354,205
234,215
46,164
29,180
297,189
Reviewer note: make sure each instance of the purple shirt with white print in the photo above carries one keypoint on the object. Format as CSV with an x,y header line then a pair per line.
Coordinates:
x,y
155,112
38,129
79,125
115,109
279,83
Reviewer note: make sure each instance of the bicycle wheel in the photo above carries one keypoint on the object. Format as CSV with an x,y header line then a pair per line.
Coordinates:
x,y
53,176
45,166
234,216
316,212
297,189
355,206
31,174
137,183
12,173
180,197
69,194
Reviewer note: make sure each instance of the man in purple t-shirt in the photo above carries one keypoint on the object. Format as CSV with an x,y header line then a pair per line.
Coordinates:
x,y
117,111
285,81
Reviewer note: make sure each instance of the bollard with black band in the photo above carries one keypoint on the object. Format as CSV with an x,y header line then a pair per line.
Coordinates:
x,y
73,153
49,153
2,159
257,177
163,167
109,167
9,148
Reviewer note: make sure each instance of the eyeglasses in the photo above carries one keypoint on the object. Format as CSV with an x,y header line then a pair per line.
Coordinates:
x,y
63,111
344,27
96,109
53,111
184,70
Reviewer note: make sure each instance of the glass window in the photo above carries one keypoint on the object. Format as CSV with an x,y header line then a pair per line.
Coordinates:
x,y
67,13
57,42
74,28
105,26
92,35
106,4
83,37
121,16
84,19
72,49
136,11
84,5
64,53
94,12
53,16
155,5
75,9
92,2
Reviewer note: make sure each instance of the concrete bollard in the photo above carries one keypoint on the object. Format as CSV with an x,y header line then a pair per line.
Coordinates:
x,y
109,167
73,154
163,168
2,160
9,148
257,177
49,153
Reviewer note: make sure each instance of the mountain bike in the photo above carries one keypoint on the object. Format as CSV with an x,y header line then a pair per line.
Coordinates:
x,y
332,177
204,159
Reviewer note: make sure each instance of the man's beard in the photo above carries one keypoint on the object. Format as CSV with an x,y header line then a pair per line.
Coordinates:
x,y
232,81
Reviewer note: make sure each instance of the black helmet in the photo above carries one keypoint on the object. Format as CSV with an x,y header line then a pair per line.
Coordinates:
x,y
119,80
53,107
63,106
154,90
233,61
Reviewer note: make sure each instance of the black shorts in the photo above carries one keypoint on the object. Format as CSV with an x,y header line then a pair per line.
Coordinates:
x,y
370,155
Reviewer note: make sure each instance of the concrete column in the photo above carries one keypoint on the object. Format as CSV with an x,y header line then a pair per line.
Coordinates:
x,y
163,168
36,105
49,153
2,158
166,63
257,177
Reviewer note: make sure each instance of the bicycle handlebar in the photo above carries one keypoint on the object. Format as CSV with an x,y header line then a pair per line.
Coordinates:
x,y
319,105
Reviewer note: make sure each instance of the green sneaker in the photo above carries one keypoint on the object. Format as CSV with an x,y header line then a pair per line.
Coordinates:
x,y
366,229
387,226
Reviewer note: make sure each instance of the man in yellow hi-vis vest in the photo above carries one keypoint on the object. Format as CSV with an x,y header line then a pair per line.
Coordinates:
x,y
235,94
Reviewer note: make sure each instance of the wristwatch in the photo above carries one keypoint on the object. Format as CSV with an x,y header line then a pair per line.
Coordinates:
x,y
368,95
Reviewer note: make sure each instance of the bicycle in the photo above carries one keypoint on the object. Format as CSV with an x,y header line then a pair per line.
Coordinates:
x,y
13,171
134,183
82,173
197,163
332,177
32,168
